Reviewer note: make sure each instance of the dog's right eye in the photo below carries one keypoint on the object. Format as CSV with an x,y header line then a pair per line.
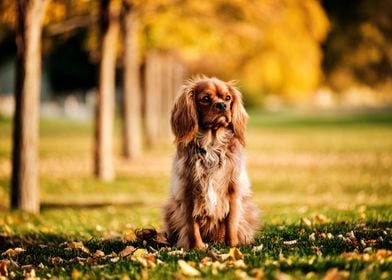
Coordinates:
x,y
205,99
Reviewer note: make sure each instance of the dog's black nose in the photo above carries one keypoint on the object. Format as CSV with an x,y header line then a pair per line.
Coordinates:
x,y
221,106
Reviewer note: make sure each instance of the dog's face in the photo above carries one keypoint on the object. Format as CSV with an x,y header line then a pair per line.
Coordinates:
x,y
207,103
213,102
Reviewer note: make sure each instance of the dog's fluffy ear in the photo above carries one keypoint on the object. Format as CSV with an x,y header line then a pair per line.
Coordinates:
x,y
184,121
238,113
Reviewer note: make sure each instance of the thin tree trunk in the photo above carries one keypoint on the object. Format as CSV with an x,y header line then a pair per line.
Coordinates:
x,y
179,73
167,92
104,164
132,107
152,98
24,182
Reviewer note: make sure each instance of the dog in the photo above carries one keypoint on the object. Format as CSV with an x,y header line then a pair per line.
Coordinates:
x,y
210,195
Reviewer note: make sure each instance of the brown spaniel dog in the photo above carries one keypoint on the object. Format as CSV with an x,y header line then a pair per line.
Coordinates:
x,y
210,198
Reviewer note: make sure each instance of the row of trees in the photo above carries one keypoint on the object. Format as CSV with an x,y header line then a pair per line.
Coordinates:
x,y
163,74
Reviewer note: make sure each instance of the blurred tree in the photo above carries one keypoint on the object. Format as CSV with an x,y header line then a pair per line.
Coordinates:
x,y
152,97
103,163
358,49
132,105
24,182
272,46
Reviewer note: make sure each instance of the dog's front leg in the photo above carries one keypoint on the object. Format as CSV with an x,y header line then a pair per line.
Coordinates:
x,y
232,221
192,236
197,240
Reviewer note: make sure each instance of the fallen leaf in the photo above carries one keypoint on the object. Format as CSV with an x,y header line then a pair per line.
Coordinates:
x,y
76,274
290,242
257,248
112,235
115,259
180,252
283,276
31,275
187,269
236,254
257,273
127,251
206,261
150,260
140,253
146,233
241,274
383,253
239,264
161,238
13,252
321,219
214,255
332,274
74,245
350,235
306,222
128,236
144,258
56,260
98,254
4,267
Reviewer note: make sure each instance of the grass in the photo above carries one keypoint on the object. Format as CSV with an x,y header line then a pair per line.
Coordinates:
x,y
323,183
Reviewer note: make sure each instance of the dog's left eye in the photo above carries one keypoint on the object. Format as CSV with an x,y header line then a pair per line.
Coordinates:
x,y
206,99
228,98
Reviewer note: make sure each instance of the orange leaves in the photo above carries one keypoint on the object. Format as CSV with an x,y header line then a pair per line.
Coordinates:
x,y
4,267
380,255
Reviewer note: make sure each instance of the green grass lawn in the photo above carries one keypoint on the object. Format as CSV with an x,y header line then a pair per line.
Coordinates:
x,y
323,183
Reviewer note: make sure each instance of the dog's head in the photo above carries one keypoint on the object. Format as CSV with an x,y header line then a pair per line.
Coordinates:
x,y
207,103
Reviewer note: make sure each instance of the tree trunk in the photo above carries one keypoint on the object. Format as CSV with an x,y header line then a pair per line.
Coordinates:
x,y
132,108
24,182
167,92
104,165
152,98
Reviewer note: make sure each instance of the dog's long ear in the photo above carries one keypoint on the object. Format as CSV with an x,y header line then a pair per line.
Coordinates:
x,y
184,121
239,117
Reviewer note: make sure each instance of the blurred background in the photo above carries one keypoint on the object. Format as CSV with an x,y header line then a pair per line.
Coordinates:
x,y
316,78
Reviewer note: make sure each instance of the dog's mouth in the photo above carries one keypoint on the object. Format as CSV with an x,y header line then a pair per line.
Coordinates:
x,y
217,122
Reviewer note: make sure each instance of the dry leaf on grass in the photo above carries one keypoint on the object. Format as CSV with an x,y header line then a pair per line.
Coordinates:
x,y
4,267
129,236
13,252
56,260
127,251
290,242
234,254
77,245
146,233
144,258
98,254
187,269
257,248
161,238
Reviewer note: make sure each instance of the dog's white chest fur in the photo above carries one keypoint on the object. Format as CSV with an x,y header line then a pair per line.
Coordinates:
x,y
212,200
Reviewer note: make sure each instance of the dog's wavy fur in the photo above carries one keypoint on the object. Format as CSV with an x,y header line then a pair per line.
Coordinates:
x,y
210,198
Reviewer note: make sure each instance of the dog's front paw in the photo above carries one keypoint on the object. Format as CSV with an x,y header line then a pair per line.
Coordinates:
x,y
233,241
200,245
